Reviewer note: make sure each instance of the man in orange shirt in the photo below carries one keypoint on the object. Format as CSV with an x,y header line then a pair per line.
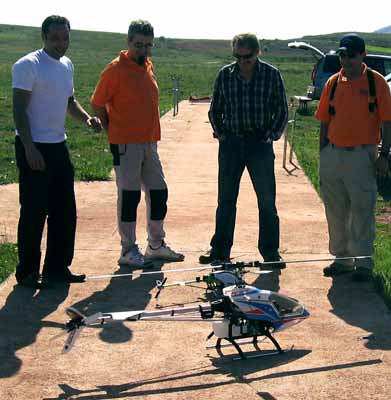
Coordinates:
x,y
127,100
355,105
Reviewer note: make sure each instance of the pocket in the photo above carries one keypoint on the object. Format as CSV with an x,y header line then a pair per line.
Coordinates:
x,y
326,161
323,149
371,153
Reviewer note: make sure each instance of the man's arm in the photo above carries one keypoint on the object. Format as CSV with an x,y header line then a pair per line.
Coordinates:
x,y
382,163
215,113
101,113
76,111
280,108
323,138
21,99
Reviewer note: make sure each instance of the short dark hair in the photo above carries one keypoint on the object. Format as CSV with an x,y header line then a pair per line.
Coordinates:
x,y
54,19
140,27
248,40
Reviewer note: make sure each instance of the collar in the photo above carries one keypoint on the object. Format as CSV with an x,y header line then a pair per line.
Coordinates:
x,y
125,59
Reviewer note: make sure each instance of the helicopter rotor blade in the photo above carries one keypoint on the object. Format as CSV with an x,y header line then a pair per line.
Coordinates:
x,y
225,266
140,315
264,272
205,268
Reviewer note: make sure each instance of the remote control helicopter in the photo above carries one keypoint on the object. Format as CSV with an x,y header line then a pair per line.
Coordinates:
x,y
237,311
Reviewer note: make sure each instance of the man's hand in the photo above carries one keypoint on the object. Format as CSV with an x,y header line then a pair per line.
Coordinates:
x,y
382,166
94,123
34,158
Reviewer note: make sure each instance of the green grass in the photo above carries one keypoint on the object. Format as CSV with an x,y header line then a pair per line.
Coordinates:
x,y
196,62
383,261
378,50
8,260
90,52
306,148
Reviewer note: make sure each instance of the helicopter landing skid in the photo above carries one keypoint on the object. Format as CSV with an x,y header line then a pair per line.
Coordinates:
x,y
233,341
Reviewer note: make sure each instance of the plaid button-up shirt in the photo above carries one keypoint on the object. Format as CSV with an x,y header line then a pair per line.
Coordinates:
x,y
257,106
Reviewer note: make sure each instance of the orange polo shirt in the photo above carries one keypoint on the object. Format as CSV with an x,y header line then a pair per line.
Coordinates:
x,y
352,123
131,97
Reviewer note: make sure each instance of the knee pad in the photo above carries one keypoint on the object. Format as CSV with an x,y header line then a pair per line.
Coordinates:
x,y
158,204
130,200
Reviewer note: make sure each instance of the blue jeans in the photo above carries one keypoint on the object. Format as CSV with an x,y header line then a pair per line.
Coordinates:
x,y
236,153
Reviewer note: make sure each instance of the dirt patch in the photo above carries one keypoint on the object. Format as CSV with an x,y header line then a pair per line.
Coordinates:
x,y
384,215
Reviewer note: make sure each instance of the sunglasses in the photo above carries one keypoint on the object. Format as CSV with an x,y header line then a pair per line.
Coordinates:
x,y
139,45
244,56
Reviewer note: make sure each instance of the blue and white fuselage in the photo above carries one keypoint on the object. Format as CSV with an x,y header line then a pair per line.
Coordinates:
x,y
278,310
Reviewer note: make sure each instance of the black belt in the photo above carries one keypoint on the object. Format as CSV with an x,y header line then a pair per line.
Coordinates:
x,y
348,148
247,134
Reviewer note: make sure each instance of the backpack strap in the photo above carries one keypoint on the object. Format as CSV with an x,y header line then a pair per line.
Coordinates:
x,y
331,97
372,100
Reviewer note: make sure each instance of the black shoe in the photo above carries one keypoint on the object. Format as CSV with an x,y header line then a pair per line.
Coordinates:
x,y
362,274
30,280
336,268
69,277
65,277
213,257
275,258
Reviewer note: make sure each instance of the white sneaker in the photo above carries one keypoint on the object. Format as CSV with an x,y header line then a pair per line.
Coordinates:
x,y
132,258
164,252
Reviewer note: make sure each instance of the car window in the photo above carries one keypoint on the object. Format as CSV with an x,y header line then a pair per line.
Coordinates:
x,y
387,67
376,64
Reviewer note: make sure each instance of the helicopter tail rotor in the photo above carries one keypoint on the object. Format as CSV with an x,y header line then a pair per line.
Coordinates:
x,y
77,322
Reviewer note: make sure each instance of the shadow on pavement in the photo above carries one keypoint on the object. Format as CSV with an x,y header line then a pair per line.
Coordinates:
x,y
359,305
121,294
270,281
232,372
21,319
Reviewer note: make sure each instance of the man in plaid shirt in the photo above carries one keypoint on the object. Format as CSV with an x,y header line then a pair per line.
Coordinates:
x,y
248,111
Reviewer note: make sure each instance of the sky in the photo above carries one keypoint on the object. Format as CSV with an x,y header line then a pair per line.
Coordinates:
x,y
208,19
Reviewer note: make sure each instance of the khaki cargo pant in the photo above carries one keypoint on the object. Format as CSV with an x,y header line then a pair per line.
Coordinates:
x,y
137,166
349,191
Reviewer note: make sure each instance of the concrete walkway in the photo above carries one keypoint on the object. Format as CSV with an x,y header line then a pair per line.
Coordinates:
x,y
341,352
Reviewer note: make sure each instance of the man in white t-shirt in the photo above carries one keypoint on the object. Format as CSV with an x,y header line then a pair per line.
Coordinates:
x,y
43,94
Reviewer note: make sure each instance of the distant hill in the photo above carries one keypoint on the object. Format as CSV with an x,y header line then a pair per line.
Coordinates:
x,y
386,29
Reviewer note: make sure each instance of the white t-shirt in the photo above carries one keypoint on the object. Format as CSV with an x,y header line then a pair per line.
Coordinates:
x,y
51,84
